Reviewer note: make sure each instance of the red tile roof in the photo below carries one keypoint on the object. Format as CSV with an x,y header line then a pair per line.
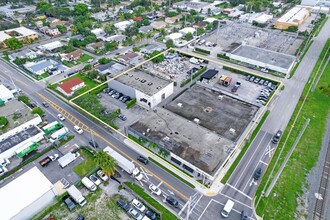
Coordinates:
x,y
67,85
139,18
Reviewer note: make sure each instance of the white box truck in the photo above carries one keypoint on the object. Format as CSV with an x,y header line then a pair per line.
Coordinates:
x,y
59,135
67,159
88,184
76,195
124,163
227,209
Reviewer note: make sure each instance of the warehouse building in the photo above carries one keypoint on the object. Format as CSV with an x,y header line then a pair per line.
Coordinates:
x,y
5,94
263,58
149,90
294,17
21,33
26,195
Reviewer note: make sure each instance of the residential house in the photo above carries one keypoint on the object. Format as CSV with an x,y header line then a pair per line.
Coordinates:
x,y
118,37
138,18
200,24
158,25
131,58
151,48
40,67
73,56
52,20
123,25
187,6
69,87
27,53
53,31
38,24
172,20
104,6
99,32
100,16
95,46
145,29
57,23
21,33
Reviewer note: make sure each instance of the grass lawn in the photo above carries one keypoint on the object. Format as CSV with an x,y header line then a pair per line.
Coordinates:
x,y
83,59
88,82
166,214
220,16
282,201
87,166
244,149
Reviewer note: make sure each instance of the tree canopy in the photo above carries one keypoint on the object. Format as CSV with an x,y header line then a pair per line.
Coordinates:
x,y
106,162
80,9
13,43
157,59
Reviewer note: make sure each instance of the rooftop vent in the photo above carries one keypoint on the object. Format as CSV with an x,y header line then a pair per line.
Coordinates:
x,y
179,105
196,120
149,84
220,97
232,131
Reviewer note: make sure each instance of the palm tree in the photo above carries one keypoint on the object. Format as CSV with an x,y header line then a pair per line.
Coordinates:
x,y
106,162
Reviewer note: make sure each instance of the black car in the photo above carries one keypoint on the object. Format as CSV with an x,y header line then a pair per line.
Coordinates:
x,y
151,215
277,137
143,160
172,201
124,205
80,217
93,143
45,104
33,104
257,173
244,216
69,203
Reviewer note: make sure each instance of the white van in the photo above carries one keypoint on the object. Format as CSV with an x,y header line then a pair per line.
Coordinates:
x,y
89,184
227,209
145,218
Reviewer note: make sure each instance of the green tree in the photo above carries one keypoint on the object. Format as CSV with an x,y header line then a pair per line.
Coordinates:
x,y
111,46
13,43
104,60
209,26
200,31
189,36
38,110
80,9
157,59
106,162
131,31
24,99
92,74
3,121
88,67
170,44
62,28
108,29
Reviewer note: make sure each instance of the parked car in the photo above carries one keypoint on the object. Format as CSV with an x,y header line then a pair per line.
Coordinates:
x,y
4,162
78,129
33,104
69,203
172,201
135,214
99,95
106,90
45,104
247,78
124,205
122,117
102,175
266,83
261,82
59,116
256,80
95,180
251,79
244,216
112,92
143,160
257,173
80,217
155,190
151,215
138,205
277,137
93,143
3,170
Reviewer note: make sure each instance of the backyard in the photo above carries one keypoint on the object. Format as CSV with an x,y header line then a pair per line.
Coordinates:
x,y
87,166
83,59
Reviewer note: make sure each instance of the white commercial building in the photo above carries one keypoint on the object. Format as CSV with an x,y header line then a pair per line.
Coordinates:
x,y
12,12
149,90
260,18
123,25
26,195
52,46
5,94
294,17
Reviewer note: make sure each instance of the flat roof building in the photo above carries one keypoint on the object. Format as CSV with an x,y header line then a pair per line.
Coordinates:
x,y
149,90
26,195
41,66
268,59
294,17
5,94
21,33
52,46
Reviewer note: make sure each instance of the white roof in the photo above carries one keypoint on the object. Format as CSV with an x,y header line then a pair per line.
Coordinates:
x,y
23,31
98,31
122,24
210,20
174,36
187,30
52,45
263,18
294,16
3,36
5,94
23,191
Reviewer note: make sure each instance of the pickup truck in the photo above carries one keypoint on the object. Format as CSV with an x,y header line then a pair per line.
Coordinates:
x,y
44,162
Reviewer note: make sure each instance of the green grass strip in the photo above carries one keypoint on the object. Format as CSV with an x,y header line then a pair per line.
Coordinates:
x,y
166,214
246,146
172,173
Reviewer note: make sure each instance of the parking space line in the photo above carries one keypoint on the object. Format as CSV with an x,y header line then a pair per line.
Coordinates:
x,y
69,148
263,162
249,197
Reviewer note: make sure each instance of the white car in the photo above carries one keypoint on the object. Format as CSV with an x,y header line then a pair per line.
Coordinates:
x,y
78,129
4,162
3,170
138,205
60,117
102,175
95,180
155,190
135,214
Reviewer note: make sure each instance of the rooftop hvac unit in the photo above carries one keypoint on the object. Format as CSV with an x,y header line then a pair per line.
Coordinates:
x,y
148,130
220,97
179,105
232,131
196,120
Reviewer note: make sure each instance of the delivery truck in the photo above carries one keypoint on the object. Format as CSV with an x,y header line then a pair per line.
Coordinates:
x,y
44,162
124,163
68,158
58,135
76,195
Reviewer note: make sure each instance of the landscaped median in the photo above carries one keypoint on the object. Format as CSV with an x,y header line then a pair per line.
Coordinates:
x,y
165,213
282,202
244,149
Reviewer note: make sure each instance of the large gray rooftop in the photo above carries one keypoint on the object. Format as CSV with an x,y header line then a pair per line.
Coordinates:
x,y
215,111
144,82
199,146
41,65
265,56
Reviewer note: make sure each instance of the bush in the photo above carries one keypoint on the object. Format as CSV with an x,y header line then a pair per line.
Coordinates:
x,y
3,121
131,103
24,99
38,110
222,56
104,60
202,51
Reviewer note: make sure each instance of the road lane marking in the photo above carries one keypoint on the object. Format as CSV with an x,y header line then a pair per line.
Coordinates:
x,y
249,197
269,151
116,148
263,162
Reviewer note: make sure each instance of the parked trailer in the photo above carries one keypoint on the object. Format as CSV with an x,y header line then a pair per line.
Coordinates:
x,y
67,159
26,149
124,163
58,135
76,195
227,81
55,125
